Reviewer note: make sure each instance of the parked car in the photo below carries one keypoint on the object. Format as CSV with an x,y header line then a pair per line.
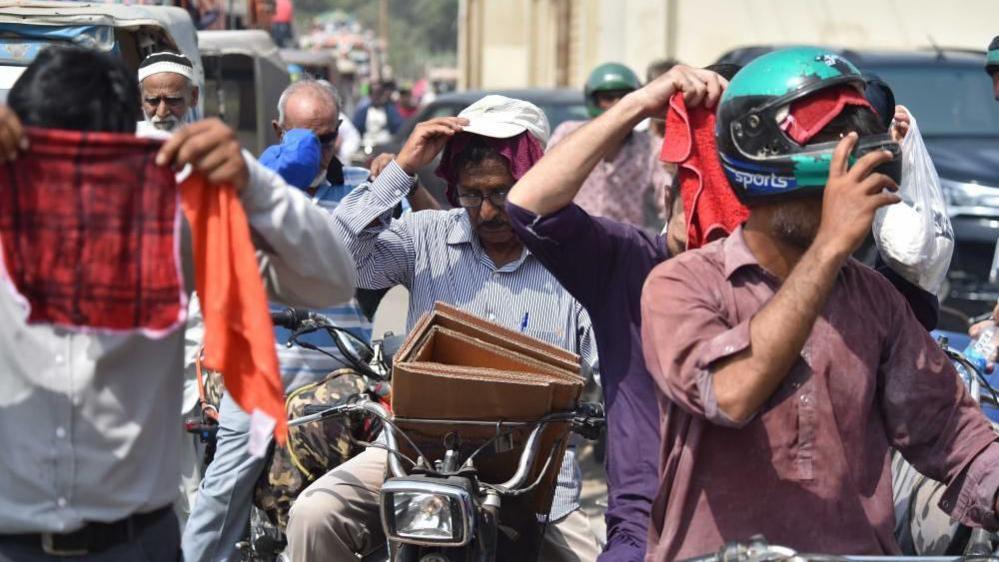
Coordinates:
x,y
559,105
28,26
951,96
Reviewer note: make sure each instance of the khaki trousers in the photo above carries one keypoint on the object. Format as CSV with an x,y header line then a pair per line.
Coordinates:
x,y
337,518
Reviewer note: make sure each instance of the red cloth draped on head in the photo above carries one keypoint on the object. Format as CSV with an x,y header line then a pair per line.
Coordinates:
x,y
711,207
521,152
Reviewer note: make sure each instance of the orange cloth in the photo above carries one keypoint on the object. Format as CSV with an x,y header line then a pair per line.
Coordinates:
x,y
711,207
239,336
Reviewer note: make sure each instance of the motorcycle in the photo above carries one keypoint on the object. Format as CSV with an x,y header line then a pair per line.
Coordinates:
x,y
440,510
367,367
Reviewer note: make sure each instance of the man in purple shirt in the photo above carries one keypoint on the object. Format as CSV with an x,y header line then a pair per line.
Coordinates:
x,y
786,370
603,264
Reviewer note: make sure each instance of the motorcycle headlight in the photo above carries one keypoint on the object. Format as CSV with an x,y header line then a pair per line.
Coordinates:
x,y
970,198
417,511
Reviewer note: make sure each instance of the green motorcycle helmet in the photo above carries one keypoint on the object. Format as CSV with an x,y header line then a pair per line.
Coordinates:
x,y
992,57
608,76
762,162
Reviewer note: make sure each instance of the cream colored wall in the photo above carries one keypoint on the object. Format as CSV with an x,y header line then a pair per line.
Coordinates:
x,y
901,24
510,43
515,44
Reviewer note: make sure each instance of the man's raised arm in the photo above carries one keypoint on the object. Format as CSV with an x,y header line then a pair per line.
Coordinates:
x,y
554,181
382,248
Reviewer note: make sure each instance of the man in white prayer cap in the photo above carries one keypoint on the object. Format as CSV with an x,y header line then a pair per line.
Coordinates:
x,y
166,81
168,89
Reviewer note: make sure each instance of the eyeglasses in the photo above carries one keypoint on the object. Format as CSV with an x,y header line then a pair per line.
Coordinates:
x,y
171,101
473,199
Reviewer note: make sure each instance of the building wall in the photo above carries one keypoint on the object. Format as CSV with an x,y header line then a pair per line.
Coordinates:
x,y
547,43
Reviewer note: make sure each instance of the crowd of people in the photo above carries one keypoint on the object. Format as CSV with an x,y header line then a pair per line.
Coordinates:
x,y
756,378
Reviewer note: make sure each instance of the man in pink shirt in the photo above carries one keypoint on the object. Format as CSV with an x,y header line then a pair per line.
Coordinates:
x,y
786,370
284,14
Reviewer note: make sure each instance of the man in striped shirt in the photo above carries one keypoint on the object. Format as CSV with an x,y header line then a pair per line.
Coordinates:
x,y
468,257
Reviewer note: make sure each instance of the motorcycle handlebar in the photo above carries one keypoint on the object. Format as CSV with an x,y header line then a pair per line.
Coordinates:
x,y
585,414
368,407
759,550
293,318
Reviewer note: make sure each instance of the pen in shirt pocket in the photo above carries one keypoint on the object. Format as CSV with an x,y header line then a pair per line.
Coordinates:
x,y
523,321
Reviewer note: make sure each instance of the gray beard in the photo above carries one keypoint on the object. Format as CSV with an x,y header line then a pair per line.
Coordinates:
x,y
169,124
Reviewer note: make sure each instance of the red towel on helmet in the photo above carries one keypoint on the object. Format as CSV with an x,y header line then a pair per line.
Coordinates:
x,y
88,228
711,207
811,114
239,336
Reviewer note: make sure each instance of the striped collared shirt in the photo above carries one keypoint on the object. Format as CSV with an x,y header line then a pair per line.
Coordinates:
x,y
436,255
300,366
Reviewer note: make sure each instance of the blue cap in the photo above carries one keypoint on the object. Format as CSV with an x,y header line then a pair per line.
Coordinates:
x,y
297,159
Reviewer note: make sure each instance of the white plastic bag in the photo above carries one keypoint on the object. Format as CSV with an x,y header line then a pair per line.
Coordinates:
x,y
914,236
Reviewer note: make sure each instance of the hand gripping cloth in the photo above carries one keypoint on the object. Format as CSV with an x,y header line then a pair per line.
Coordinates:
x,y
88,229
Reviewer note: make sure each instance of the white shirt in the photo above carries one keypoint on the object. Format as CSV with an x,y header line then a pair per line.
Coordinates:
x,y
350,141
88,423
376,129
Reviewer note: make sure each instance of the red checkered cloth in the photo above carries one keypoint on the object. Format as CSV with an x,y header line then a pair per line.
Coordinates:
x,y
88,226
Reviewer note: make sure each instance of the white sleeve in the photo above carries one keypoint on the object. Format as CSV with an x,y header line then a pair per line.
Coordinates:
x,y
350,141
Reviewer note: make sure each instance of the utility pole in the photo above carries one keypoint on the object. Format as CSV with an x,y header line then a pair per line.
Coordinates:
x,y
383,22
383,41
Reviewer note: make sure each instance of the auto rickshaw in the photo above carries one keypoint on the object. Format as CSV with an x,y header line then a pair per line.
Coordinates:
x,y
244,78
28,26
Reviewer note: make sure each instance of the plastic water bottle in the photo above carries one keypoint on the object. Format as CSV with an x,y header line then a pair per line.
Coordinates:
x,y
982,347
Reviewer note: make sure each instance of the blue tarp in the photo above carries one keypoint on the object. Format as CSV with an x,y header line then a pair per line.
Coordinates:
x,y
20,43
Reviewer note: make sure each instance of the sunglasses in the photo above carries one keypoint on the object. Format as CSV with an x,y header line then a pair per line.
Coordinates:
x,y
326,140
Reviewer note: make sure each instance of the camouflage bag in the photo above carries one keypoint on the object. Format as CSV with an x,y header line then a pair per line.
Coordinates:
x,y
210,388
312,449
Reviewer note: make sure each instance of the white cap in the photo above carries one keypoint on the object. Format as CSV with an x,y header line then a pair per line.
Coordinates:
x,y
166,62
501,117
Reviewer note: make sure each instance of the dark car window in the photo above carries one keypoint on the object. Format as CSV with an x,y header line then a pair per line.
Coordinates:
x,y
430,112
947,100
557,114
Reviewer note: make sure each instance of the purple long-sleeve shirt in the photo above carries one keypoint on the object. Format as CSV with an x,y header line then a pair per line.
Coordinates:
x,y
603,264
811,469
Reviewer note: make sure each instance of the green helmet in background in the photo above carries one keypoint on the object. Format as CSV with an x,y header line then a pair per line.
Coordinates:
x,y
992,57
762,162
606,77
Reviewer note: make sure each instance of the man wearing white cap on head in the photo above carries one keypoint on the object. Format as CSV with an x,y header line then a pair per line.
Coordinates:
x,y
168,89
468,257
166,81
